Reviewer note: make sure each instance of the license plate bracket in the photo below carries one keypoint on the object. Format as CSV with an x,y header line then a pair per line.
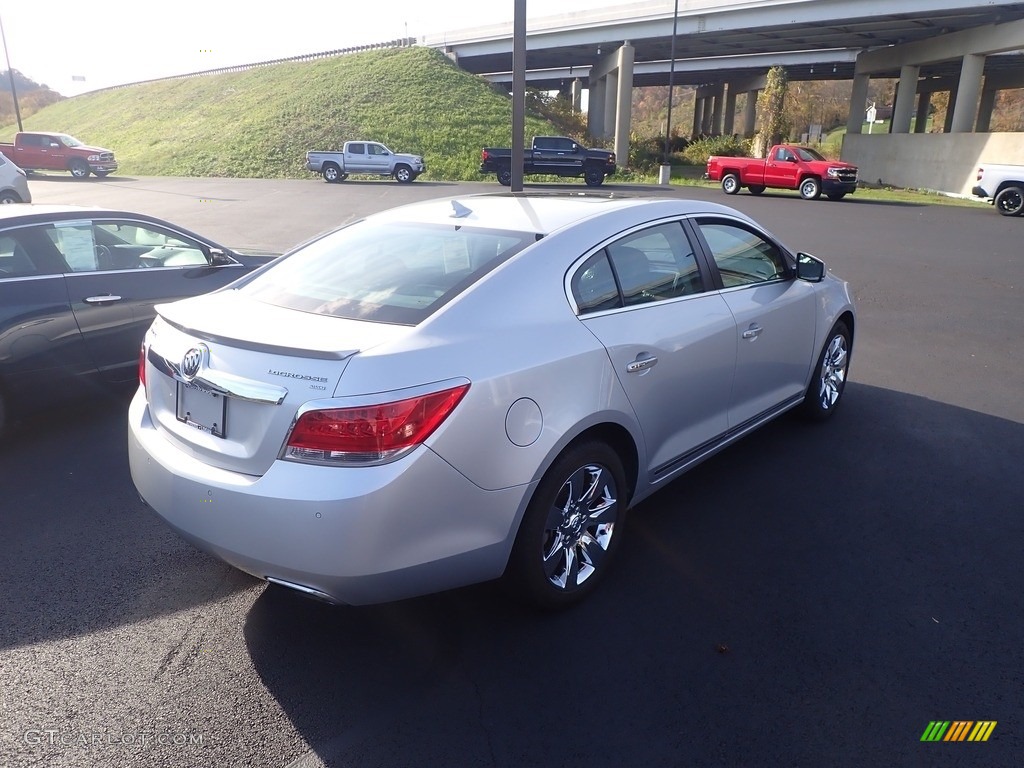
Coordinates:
x,y
201,409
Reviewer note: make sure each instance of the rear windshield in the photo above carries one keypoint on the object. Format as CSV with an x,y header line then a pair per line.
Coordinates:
x,y
385,272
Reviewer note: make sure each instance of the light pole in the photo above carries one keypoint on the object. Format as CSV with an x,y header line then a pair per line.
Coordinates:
x,y
10,74
665,171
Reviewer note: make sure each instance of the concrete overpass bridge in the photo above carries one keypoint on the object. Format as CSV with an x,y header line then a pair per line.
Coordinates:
x,y
969,48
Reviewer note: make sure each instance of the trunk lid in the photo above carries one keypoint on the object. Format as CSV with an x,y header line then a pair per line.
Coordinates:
x,y
226,374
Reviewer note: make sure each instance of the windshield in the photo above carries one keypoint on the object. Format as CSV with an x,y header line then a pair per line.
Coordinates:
x,y
806,154
386,272
69,141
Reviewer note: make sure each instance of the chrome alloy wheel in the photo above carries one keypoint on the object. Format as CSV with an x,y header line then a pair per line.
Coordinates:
x,y
580,526
833,372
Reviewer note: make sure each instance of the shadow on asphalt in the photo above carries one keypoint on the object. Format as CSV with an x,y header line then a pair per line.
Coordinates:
x,y
81,552
814,595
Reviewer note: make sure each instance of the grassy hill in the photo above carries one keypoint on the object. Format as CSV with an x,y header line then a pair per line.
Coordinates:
x,y
260,123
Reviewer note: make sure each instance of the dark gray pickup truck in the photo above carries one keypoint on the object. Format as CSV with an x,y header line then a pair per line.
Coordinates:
x,y
552,156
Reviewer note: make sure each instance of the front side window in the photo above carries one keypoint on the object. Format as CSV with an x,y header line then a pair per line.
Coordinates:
x,y
743,257
88,246
377,149
388,272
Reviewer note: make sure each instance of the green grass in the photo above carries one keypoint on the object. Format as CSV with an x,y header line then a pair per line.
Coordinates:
x,y
260,123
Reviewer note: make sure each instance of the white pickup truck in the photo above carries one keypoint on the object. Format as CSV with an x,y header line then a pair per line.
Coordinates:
x,y
1003,185
367,157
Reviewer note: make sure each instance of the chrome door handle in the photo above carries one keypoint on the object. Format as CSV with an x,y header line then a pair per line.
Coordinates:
x,y
101,299
752,332
641,365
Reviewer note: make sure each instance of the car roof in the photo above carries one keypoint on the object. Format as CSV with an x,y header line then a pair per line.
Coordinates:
x,y
542,213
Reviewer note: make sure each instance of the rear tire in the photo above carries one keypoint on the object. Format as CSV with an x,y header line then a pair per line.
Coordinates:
x,y
1010,201
79,168
572,528
8,198
730,183
505,177
331,173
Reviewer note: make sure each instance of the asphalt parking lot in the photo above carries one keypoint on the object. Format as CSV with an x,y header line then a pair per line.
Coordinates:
x,y
813,596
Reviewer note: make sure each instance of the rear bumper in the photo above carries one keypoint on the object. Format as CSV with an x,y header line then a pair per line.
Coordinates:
x,y
355,535
980,192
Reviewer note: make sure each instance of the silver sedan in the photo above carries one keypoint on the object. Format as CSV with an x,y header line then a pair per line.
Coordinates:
x,y
466,389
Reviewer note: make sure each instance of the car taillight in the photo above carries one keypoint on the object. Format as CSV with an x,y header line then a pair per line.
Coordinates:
x,y
484,154
142,365
981,172
370,434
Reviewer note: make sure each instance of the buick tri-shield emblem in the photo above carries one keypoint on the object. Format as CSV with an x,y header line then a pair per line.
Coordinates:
x,y
192,362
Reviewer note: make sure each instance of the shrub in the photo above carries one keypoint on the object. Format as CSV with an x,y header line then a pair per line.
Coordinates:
x,y
698,151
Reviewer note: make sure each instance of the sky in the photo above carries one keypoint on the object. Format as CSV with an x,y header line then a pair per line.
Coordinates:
x,y
74,47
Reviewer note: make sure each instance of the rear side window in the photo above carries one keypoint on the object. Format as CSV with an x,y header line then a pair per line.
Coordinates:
x,y
386,272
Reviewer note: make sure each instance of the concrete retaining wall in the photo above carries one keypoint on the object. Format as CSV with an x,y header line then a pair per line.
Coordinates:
x,y
943,162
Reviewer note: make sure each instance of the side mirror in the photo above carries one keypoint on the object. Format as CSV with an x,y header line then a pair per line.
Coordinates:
x,y
809,268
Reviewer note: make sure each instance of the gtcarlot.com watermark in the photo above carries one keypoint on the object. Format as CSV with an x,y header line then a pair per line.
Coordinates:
x,y
53,737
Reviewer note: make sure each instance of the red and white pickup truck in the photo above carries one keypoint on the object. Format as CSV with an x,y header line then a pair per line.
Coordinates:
x,y
786,167
38,151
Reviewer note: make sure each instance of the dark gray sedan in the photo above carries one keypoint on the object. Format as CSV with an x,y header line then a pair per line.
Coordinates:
x,y
77,290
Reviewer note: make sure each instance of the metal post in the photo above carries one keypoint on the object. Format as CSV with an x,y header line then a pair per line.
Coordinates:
x,y
665,172
10,74
518,93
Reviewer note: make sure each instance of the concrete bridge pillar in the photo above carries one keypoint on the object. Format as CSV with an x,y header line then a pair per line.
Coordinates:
x,y
906,92
924,102
595,108
858,103
623,102
729,124
698,113
988,101
966,111
750,115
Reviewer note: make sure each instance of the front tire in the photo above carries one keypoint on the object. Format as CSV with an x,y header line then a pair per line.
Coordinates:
x,y
756,189
572,528
810,189
403,174
505,177
825,391
102,174
79,169
1010,201
836,196
593,177
730,183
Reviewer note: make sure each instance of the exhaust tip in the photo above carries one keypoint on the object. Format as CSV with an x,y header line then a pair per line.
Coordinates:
x,y
310,592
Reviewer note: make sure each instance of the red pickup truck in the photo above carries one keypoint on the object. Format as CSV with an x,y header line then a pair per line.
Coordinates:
x,y
786,167
37,151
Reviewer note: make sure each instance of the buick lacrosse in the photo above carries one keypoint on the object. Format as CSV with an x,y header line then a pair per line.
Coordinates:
x,y
460,390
